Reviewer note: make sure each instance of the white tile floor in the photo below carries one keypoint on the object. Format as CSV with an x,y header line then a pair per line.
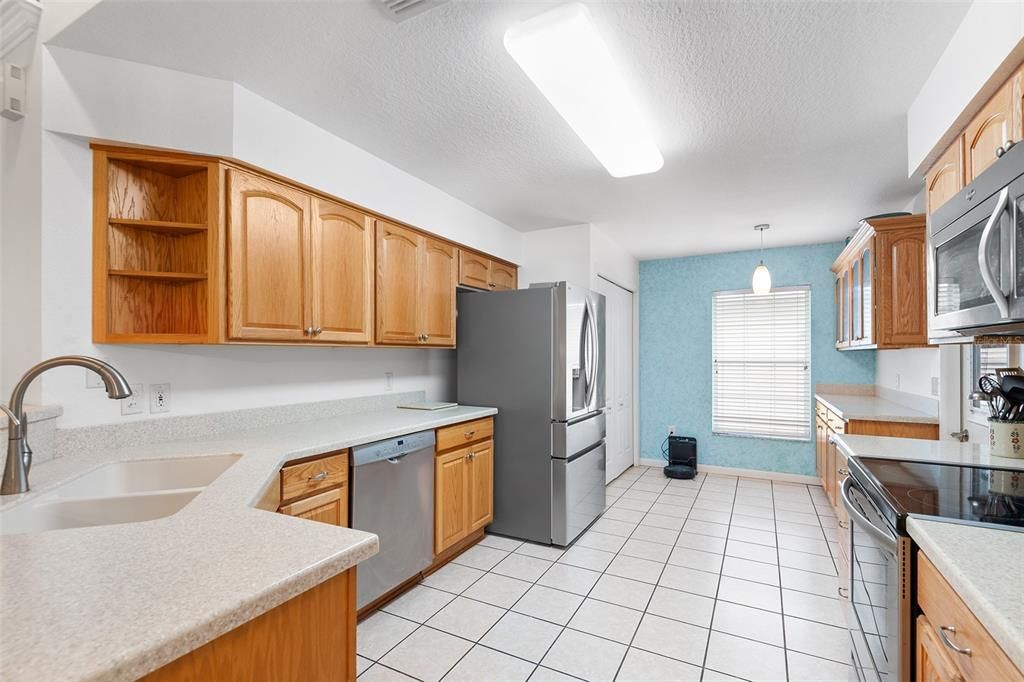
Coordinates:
x,y
716,579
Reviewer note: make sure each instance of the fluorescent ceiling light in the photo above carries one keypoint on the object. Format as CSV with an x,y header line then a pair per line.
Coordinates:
x,y
565,57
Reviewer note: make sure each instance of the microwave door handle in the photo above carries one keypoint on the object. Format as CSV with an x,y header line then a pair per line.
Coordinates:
x,y
886,541
991,281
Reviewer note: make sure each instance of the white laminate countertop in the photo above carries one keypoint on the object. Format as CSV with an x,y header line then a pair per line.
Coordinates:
x,y
873,408
921,450
983,566
116,602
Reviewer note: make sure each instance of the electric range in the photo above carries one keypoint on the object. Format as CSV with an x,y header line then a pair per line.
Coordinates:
x,y
879,495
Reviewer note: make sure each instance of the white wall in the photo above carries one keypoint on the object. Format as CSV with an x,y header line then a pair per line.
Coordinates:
x,y
164,108
555,255
909,370
988,44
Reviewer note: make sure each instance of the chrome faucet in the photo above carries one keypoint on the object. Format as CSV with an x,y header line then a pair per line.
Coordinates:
x,y
19,454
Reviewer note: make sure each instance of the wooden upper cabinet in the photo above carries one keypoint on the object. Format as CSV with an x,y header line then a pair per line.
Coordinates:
x,y
439,274
269,285
342,254
881,288
503,277
946,177
416,279
481,272
474,270
988,132
398,282
902,304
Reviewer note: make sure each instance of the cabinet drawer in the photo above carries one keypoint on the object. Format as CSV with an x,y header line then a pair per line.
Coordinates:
x,y
944,610
318,474
458,435
835,423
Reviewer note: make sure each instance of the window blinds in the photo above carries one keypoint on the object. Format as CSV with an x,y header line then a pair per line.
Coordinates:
x,y
761,354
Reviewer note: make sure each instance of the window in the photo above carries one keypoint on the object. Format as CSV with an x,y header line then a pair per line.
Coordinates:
x,y
986,360
761,354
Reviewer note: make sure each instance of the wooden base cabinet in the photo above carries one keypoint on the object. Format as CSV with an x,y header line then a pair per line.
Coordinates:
x,y
952,644
317,489
309,637
463,482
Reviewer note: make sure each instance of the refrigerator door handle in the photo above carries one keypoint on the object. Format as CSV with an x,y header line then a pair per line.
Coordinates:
x,y
590,352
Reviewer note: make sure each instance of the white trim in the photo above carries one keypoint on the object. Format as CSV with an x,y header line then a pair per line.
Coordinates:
x,y
745,473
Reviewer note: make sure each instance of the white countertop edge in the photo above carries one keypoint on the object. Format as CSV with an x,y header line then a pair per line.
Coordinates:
x,y
1006,633
890,412
53,653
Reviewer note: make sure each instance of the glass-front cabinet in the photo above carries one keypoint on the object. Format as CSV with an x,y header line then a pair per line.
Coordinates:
x,y
880,285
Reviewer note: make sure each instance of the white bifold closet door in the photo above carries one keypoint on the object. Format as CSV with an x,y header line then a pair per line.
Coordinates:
x,y
618,376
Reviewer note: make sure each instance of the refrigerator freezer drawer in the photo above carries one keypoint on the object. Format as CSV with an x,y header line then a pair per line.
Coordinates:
x,y
568,438
577,494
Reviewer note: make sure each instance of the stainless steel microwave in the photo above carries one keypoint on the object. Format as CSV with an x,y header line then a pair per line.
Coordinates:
x,y
976,254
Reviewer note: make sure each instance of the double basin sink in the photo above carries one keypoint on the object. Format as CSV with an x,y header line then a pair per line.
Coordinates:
x,y
120,492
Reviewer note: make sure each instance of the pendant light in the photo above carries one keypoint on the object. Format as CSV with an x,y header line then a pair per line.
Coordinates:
x,y
762,283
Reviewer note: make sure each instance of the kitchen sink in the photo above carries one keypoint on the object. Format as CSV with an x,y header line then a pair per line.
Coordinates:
x,y
146,475
121,492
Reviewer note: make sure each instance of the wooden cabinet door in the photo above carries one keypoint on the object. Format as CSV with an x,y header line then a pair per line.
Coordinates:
x,y
903,310
830,468
440,271
946,177
503,277
481,485
988,132
326,507
342,273
398,284
474,270
820,430
451,509
268,250
934,664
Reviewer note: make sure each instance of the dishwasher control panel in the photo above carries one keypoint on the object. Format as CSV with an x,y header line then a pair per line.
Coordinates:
x,y
392,448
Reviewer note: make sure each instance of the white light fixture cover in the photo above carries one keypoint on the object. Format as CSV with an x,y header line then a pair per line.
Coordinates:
x,y
565,57
762,282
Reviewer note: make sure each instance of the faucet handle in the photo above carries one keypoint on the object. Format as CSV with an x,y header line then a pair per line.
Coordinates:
x,y
10,415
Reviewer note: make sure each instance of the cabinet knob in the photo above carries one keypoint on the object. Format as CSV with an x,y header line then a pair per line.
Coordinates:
x,y
843,472
492,285
310,331
318,331
426,337
845,525
318,477
470,434
471,456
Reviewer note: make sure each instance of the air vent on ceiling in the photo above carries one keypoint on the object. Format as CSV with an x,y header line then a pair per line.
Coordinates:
x,y
403,9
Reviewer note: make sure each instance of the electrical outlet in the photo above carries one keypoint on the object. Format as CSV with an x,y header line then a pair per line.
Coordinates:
x,y
159,398
133,403
92,379
672,430
935,386
389,378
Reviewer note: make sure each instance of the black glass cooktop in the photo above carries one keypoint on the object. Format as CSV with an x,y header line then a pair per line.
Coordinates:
x,y
953,491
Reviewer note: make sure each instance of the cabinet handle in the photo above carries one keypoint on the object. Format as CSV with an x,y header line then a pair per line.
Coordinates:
x,y
843,472
492,285
470,434
843,592
318,477
845,525
943,629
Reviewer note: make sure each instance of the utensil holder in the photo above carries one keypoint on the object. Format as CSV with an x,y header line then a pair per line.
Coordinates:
x,y
1006,438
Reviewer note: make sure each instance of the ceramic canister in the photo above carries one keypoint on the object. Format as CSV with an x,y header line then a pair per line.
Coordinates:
x,y
1006,439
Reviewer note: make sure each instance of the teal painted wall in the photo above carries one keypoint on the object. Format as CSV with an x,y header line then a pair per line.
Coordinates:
x,y
675,350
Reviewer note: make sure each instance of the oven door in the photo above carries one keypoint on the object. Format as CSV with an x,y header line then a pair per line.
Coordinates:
x,y
878,612
974,279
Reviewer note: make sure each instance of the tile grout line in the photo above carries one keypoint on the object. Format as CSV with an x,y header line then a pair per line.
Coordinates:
x,y
718,586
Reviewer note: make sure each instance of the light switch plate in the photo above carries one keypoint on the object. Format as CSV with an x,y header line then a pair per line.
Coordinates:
x,y
133,403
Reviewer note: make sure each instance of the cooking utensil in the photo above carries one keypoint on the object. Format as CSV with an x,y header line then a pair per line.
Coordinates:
x,y
980,397
990,385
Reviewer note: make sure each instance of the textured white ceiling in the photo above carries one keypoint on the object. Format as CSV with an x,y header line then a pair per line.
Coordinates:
x,y
791,113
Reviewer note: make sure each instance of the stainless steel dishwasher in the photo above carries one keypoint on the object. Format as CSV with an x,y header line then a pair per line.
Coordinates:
x,y
393,496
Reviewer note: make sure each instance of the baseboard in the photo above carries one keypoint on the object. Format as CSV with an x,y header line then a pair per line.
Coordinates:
x,y
745,473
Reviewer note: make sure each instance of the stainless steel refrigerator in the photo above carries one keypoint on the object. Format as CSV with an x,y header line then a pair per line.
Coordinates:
x,y
537,355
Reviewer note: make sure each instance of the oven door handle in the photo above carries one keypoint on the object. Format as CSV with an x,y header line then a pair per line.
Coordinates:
x,y
991,281
887,542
